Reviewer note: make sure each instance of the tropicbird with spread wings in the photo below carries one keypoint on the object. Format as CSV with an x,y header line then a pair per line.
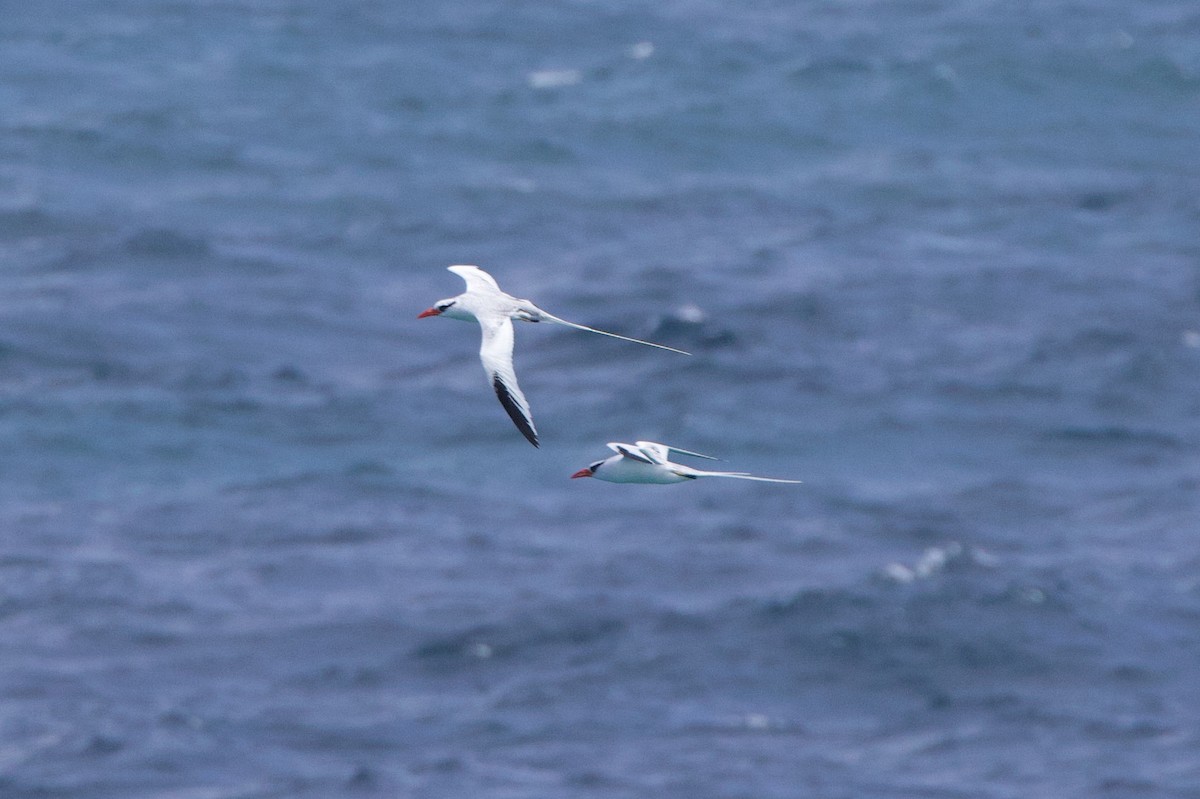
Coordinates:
x,y
485,303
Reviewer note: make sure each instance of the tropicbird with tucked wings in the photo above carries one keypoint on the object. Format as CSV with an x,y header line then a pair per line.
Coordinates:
x,y
650,462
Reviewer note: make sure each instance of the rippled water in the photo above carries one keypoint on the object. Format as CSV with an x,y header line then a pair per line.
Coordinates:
x,y
267,535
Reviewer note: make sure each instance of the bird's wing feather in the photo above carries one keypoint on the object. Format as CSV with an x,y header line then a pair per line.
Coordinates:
x,y
496,354
477,279
655,452
664,450
632,452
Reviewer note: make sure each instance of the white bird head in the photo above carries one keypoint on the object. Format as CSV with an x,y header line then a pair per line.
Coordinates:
x,y
448,308
589,470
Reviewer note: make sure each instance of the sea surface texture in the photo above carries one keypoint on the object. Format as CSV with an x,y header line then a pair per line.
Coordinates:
x,y
265,535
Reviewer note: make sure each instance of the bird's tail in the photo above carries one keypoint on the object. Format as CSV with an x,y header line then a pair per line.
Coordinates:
x,y
548,317
741,476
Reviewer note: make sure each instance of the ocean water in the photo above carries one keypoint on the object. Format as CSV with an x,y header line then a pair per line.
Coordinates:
x,y
264,534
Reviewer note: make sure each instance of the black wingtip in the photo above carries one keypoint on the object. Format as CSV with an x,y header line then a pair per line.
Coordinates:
x,y
514,411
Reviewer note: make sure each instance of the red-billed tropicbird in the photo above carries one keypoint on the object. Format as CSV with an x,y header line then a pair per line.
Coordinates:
x,y
485,303
648,462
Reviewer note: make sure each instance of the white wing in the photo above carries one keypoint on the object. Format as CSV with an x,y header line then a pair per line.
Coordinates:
x,y
481,283
496,352
661,452
477,280
630,452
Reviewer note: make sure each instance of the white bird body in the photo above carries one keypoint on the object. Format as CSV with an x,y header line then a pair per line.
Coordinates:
x,y
649,462
494,310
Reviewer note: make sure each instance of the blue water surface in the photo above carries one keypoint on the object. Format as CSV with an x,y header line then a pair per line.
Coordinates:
x,y
264,534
